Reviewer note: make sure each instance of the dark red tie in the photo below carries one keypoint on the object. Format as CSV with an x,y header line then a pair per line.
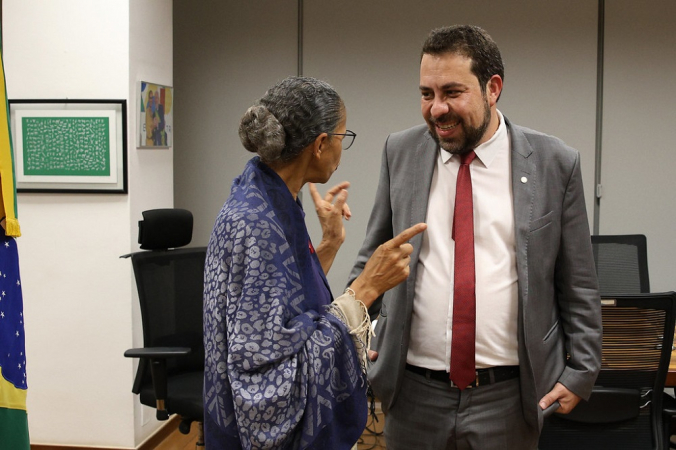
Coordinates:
x,y
464,300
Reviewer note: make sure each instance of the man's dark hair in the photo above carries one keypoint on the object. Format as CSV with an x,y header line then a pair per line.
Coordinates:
x,y
472,42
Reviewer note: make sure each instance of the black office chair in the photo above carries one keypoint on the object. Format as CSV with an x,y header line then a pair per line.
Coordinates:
x,y
169,280
625,408
621,263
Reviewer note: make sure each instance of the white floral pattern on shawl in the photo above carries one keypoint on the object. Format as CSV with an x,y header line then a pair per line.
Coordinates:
x,y
280,372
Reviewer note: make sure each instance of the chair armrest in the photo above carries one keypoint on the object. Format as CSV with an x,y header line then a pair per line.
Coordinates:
x,y
668,412
606,405
668,405
157,352
158,371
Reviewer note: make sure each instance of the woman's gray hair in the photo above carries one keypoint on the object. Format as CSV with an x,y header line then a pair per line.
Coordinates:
x,y
289,117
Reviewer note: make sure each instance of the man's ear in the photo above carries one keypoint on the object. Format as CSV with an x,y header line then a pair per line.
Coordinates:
x,y
493,89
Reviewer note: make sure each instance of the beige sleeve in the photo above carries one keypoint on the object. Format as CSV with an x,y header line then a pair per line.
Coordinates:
x,y
354,314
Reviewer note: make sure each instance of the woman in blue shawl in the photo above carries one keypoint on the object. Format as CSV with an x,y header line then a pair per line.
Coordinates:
x,y
285,361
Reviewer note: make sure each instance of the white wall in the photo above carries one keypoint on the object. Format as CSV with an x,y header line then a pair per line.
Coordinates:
x,y
151,171
79,303
639,154
226,54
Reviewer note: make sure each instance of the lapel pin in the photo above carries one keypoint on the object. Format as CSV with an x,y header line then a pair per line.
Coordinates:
x,y
524,179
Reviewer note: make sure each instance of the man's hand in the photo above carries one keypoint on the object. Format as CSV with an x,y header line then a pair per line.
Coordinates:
x,y
566,399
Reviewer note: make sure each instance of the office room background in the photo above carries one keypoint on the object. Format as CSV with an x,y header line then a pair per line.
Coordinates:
x,y
80,302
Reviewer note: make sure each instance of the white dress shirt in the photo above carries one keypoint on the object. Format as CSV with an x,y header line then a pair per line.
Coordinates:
x,y
495,261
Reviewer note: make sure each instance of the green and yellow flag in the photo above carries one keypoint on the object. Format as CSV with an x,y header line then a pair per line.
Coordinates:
x,y
8,207
13,387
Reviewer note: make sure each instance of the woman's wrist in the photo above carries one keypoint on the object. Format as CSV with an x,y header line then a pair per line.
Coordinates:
x,y
330,244
361,292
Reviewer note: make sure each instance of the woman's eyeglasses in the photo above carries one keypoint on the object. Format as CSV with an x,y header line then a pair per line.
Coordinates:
x,y
348,138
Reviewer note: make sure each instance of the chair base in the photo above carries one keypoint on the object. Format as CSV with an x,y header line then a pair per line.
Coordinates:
x,y
200,436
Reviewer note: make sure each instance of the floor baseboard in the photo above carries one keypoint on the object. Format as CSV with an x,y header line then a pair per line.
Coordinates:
x,y
153,441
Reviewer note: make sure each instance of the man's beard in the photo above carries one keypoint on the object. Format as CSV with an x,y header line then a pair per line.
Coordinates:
x,y
472,135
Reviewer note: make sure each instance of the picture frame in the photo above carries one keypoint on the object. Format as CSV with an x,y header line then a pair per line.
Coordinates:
x,y
69,146
155,115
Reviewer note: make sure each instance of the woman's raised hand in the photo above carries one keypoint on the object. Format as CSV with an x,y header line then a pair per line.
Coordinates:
x,y
331,209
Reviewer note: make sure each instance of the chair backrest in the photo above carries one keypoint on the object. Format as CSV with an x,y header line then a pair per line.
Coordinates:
x,y
170,291
170,287
625,408
166,228
621,263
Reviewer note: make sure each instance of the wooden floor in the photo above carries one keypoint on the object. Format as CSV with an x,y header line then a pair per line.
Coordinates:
x,y
372,439
179,441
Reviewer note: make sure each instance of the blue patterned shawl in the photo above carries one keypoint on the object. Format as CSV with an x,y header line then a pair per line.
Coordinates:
x,y
280,372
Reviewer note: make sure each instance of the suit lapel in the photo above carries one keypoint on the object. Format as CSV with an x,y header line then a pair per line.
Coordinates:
x,y
523,181
524,187
424,164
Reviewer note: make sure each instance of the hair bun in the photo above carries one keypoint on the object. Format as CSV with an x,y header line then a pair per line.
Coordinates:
x,y
261,132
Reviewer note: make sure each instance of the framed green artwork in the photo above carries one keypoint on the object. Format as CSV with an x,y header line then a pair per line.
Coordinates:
x,y
77,146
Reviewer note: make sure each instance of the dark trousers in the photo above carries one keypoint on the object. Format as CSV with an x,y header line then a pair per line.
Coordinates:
x,y
432,415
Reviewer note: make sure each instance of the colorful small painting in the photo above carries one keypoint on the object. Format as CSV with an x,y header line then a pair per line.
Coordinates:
x,y
156,116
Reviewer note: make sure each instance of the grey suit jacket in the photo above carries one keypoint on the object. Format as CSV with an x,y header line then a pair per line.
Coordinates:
x,y
559,313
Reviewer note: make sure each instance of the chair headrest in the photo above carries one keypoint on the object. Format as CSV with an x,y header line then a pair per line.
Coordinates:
x,y
161,229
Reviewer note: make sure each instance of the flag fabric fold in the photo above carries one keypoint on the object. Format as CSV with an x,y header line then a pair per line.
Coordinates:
x,y
13,385
8,206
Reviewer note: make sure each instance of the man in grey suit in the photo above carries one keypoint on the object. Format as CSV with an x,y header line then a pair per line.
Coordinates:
x,y
538,314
